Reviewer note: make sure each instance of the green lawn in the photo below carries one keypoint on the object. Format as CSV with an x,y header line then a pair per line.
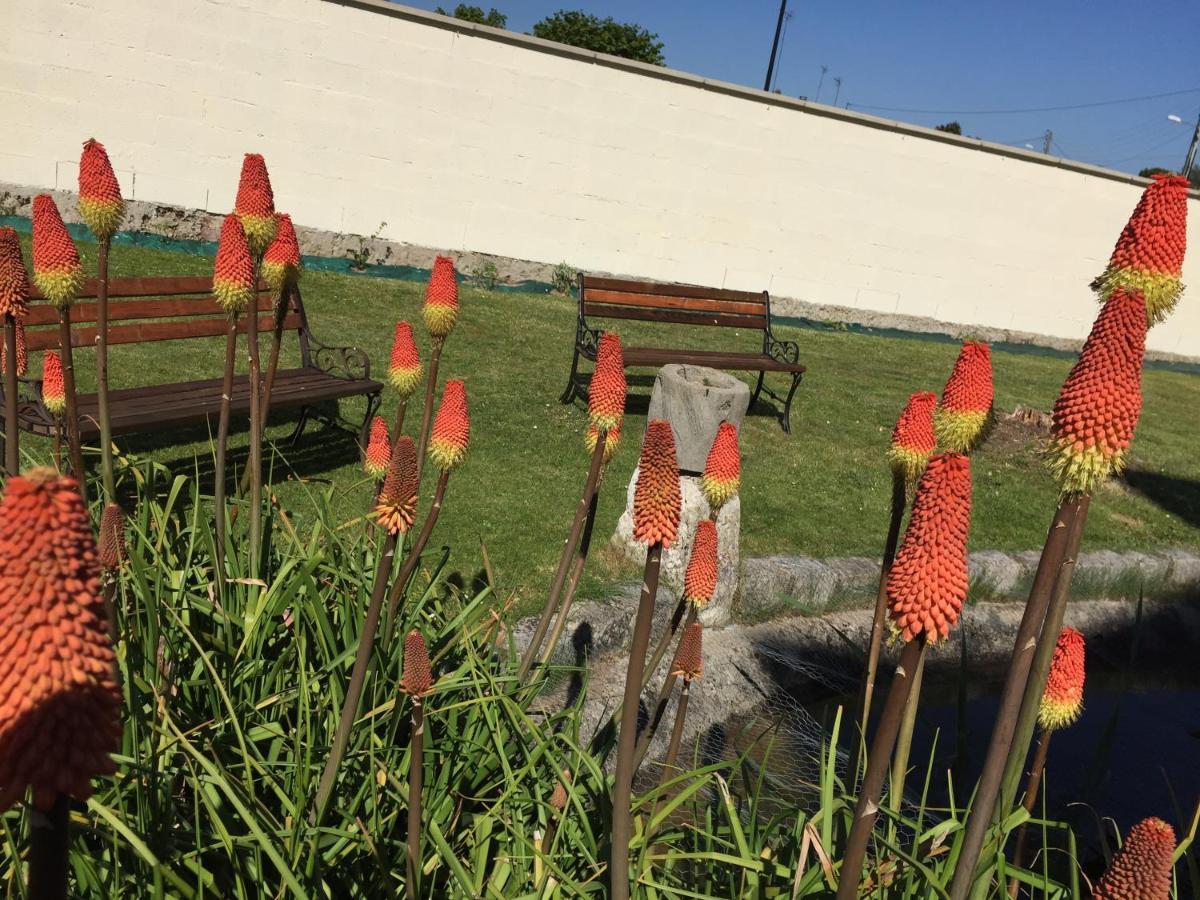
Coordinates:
x,y
822,491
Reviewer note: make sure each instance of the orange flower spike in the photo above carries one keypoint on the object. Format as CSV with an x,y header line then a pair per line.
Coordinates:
x,y
441,299
1149,253
927,585
255,203
723,468
101,205
233,270
689,658
14,282
54,394
111,551
416,676
398,496
22,352
962,420
700,577
281,261
405,370
1098,407
606,395
57,271
1062,701
379,449
451,430
1141,869
611,441
913,440
60,706
656,498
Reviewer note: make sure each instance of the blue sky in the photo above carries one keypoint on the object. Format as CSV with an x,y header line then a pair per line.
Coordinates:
x,y
956,59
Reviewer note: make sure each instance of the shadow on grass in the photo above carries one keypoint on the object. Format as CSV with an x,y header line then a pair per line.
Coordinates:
x,y
1177,496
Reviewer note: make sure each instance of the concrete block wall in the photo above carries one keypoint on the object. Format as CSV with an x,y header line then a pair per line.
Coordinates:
x,y
467,139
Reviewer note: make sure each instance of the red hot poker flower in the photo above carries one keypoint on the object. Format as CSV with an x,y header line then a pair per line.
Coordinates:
x,y
255,203
913,441
1149,253
1141,869
451,427
611,440
100,203
441,298
405,370
379,449
111,552
606,395
1062,701
22,353
722,469
656,498
416,675
927,585
14,282
281,261
57,271
689,658
1098,407
233,270
60,707
961,421
700,577
54,394
398,497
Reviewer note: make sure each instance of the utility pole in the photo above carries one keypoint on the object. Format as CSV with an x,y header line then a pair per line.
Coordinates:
x,y
775,45
824,69
1190,159
837,82
1047,141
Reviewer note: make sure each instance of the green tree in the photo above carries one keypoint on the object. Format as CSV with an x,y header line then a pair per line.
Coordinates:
x,y
580,29
1193,176
1153,170
949,128
493,17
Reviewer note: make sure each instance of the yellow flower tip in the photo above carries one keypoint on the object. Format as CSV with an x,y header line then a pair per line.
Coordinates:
x,y
59,286
961,432
260,231
1161,290
611,441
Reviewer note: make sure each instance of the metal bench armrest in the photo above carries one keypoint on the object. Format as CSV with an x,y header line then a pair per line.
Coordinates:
x,y
784,351
350,363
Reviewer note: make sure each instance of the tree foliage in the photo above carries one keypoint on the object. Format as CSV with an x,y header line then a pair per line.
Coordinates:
x,y
580,29
949,128
493,17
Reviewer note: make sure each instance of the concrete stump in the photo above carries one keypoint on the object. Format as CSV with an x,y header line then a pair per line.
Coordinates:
x,y
695,400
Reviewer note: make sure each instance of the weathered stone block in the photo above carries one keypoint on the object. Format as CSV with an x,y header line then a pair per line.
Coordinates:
x,y
695,400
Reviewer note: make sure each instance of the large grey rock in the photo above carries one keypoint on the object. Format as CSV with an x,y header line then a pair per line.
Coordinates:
x,y
695,400
1184,570
675,558
995,572
773,583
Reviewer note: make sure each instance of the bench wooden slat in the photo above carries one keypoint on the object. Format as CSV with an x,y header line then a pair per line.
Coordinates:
x,y
610,311
43,314
671,301
47,339
147,287
593,282
163,395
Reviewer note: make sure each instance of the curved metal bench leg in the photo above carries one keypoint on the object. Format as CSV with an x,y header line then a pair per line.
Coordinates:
x,y
569,394
299,429
364,433
786,418
757,389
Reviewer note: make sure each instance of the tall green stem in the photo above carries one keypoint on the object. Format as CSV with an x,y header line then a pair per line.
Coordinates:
x,y
877,768
904,740
281,307
12,448
255,461
74,446
622,814
435,357
564,560
980,816
415,777
222,445
1036,768
106,460
664,693
585,543
415,551
49,846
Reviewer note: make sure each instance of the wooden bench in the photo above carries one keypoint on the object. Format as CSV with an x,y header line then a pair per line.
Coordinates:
x,y
685,304
143,310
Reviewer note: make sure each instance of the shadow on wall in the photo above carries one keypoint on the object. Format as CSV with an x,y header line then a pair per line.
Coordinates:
x,y
1178,496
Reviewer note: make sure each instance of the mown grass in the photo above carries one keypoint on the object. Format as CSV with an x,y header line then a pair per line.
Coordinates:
x,y
823,491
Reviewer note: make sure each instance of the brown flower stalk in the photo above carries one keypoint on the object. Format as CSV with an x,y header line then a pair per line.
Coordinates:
x,y
656,510
417,682
14,306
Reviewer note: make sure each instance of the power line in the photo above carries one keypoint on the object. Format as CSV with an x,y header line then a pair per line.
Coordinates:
x,y
1035,109
1171,140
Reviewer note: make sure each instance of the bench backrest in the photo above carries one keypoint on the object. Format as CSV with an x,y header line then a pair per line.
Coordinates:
x,y
682,304
155,309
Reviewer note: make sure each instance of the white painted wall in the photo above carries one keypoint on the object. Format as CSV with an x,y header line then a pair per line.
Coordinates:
x,y
463,138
